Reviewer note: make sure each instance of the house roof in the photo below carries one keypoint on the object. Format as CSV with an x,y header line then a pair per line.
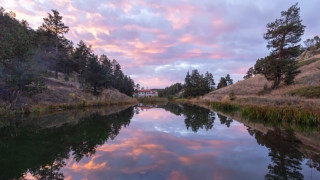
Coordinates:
x,y
147,90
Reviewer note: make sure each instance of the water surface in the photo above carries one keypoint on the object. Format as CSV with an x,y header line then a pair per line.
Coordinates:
x,y
164,142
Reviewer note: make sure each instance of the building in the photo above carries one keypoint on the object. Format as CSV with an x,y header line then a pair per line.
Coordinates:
x,y
147,93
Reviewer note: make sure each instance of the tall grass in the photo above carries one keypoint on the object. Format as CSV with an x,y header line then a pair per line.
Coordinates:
x,y
271,114
281,114
225,107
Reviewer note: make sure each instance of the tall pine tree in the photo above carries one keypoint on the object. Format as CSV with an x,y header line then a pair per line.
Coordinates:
x,y
53,23
283,35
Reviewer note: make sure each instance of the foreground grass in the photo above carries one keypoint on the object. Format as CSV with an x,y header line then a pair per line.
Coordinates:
x,y
308,92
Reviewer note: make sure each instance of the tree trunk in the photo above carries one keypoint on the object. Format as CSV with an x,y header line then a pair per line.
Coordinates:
x,y
276,83
56,68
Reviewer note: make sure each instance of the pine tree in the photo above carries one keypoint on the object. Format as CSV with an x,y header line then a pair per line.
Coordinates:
x,y
95,74
249,74
229,80
53,23
222,83
283,35
106,64
81,57
210,81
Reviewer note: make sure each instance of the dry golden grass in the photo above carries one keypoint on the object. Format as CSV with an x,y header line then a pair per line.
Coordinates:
x,y
61,94
226,99
247,90
309,76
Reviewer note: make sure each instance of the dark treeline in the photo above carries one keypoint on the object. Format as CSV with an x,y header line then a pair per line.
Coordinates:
x,y
195,84
43,152
198,84
283,36
28,57
171,90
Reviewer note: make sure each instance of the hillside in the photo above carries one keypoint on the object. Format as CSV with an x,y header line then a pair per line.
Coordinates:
x,y
60,94
248,90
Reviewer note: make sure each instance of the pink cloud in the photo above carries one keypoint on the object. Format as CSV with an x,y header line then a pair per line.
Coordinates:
x,y
142,33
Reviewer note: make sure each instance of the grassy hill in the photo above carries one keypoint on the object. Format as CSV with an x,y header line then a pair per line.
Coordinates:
x,y
304,92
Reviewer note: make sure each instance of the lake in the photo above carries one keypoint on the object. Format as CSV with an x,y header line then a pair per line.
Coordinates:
x,y
170,141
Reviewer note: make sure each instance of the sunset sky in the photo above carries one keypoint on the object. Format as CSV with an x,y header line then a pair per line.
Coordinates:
x,y
157,41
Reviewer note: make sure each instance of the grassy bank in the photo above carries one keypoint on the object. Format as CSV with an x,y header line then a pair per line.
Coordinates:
x,y
265,113
45,108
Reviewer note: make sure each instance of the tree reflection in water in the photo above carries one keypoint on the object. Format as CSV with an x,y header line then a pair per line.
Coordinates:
x,y
286,159
41,152
225,120
195,117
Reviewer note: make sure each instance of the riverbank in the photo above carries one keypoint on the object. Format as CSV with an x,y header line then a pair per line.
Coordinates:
x,y
264,112
63,95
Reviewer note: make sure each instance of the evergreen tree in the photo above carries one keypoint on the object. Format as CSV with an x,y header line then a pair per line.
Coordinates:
x,y
260,66
65,61
210,81
17,71
81,57
196,84
53,23
171,90
95,74
249,74
229,80
283,35
106,64
222,83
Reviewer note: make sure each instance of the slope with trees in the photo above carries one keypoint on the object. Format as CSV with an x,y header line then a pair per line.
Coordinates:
x,y
29,58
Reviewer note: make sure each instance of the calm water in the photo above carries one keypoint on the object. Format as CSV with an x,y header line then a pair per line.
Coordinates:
x,y
167,142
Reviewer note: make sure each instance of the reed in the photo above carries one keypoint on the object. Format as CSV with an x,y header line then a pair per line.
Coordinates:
x,y
282,114
225,107
271,114
152,100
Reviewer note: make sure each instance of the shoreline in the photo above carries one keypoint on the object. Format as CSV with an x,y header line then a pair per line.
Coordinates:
x,y
263,112
58,107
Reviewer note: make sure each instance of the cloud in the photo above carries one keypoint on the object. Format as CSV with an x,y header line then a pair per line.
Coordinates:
x,y
147,35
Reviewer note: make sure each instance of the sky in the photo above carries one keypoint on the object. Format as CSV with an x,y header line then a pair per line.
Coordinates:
x,y
157,42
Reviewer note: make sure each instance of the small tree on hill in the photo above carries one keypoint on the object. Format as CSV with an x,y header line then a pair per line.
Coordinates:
x,y
249,74
222,83
229,80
